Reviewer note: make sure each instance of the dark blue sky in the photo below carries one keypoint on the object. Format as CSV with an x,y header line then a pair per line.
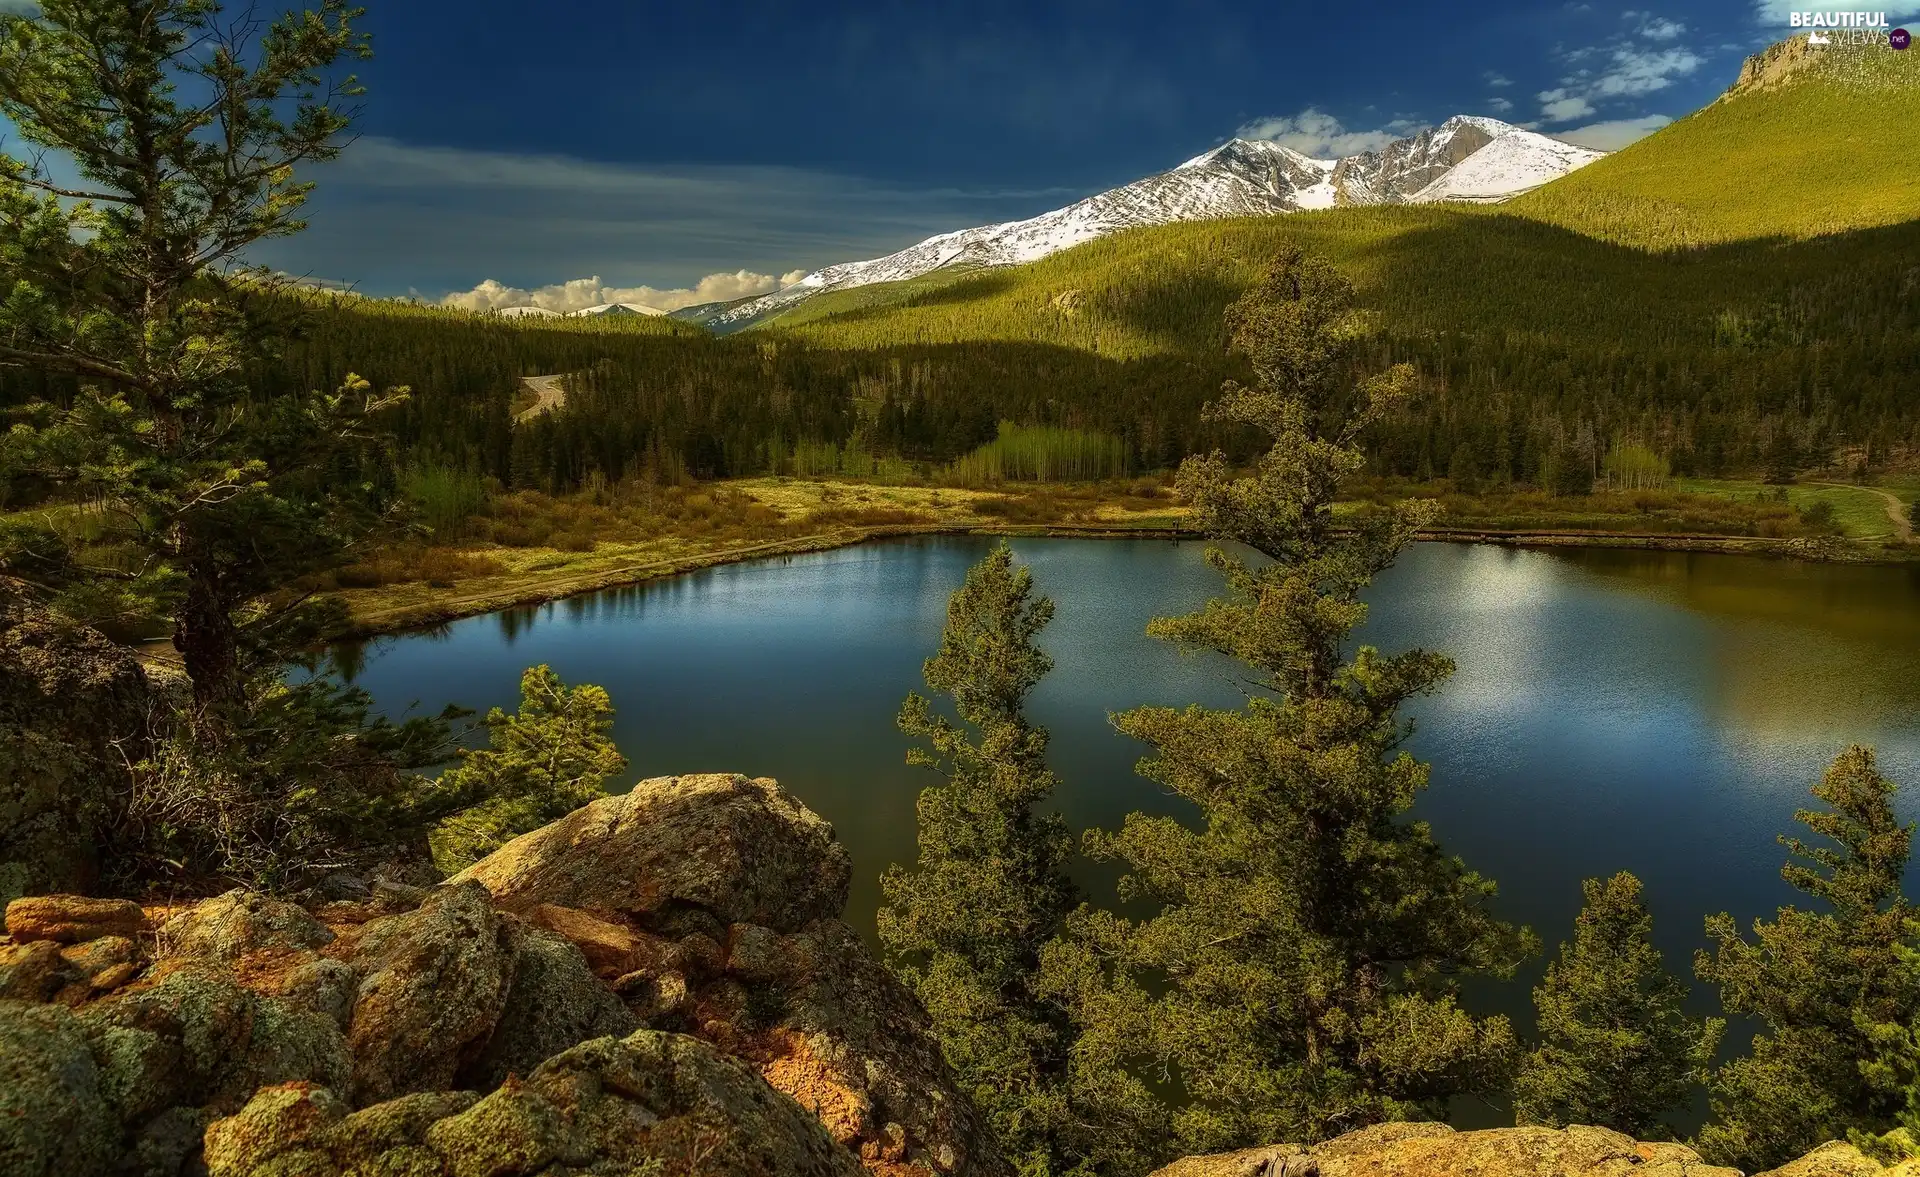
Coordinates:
x,y
647,143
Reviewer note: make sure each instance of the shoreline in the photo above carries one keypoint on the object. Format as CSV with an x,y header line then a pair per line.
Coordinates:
x,y
457,607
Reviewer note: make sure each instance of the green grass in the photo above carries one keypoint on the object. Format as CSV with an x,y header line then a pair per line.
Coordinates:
x,y
1860,513
1821,152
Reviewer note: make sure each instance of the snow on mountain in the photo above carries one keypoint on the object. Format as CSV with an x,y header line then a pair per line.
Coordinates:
x,y
1511,164
528,312
616,308
1240,178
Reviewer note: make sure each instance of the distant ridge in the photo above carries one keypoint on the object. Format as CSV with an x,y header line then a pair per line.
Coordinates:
x,y
1465,158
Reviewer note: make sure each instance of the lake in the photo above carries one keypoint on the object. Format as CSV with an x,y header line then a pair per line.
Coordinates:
x,y
1663,713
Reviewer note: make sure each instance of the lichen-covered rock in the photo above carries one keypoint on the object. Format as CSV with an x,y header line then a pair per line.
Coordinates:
x,y
831,1027
1838,1159
54,1122
649,1103
743,850
1427,1150
553,1002
73,919
239,924
199,1040
433,983
40,972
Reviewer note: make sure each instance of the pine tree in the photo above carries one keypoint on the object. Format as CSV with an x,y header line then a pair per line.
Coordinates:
x,y
189,128
1616,1050
543,762
1826,983
1299,977
965,928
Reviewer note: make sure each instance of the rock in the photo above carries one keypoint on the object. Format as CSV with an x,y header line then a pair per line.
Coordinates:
x,y
73,919
649,1103
742,850
434,982
39,972
831,1027
1836,1158
1428,1150
67,693
239,924
54,1122
197,1040
610,949
553,1002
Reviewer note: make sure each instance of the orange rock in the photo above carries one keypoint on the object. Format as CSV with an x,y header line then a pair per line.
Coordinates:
x,y
72,919
609,947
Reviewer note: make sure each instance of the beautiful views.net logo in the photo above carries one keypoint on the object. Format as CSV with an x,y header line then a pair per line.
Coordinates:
x,y
1838,20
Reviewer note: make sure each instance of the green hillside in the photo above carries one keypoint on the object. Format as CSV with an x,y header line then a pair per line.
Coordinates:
x,y
1818,142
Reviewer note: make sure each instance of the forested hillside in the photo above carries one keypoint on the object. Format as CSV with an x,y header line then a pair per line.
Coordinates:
x,y
1740,291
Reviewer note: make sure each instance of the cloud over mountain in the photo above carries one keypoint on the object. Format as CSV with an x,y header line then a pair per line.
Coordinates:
x,y
581,293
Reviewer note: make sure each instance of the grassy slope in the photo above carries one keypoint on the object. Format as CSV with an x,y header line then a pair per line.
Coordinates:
x,y
1753,182
1819,152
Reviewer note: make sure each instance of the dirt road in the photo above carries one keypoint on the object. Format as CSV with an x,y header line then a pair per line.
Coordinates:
x,y
548,392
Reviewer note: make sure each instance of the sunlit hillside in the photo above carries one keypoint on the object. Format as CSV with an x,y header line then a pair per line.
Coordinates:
x,y
1814,141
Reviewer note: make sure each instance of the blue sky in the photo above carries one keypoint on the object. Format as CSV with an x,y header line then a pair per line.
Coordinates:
x,y
629,144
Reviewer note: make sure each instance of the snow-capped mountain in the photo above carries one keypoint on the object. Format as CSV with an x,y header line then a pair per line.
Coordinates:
x,y
605,308
1464,158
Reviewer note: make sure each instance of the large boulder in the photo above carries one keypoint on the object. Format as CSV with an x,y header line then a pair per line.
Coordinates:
x,y
73,919
553,1002
433,984
54,1121
649,1103
1429,1150
740,850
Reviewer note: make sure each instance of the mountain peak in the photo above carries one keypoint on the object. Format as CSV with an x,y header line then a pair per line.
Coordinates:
x,y
1238,178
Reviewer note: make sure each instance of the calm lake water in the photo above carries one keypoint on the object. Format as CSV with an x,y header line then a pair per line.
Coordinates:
x,y
1662,713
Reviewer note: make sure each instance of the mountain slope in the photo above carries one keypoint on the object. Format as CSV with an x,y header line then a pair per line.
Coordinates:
x,y
1810,141
1240,178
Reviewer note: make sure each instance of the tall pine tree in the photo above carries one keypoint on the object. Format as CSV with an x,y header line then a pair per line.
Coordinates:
x,y
966,927
1826,982
1615,1049
1298,978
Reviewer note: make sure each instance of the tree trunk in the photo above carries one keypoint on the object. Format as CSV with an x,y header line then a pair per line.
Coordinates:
x,y
205,634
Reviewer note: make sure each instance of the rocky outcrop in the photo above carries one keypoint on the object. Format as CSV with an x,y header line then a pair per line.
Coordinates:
x,y
647,1103
1435,1150
656,980
711,905
739,850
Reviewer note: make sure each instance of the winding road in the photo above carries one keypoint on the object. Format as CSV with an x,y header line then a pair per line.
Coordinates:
x,y
548,393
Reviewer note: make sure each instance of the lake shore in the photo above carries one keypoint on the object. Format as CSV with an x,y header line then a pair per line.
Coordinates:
x,y
433,606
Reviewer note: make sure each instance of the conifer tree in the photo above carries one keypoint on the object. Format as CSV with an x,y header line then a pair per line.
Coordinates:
x,y
1298,979
1827,984
1616,1049
965,928
546,760
189,127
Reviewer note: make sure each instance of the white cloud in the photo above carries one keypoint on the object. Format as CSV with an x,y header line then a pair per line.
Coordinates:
x,y
1499,105
581,293
1558,106
393,216
1498,80
1318,134
1629,66
1615,133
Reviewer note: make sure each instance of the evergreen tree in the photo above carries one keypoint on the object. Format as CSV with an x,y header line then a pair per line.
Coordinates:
x,y
545,761
188,127
1299,977
1615,1048
1826,983
966,927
